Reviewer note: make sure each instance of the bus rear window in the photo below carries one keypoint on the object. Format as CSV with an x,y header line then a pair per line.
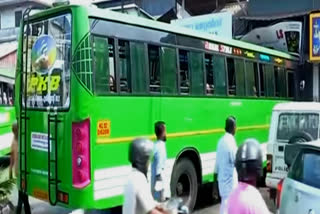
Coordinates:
x,y
292,123
46,63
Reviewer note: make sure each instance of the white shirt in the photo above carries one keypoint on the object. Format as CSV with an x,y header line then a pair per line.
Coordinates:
x,y
137,195
227,174
158,166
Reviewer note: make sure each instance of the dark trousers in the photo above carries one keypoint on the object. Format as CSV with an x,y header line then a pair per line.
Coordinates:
x,y
23,198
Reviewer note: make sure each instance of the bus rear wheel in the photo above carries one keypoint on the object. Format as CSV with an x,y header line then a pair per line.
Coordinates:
x,y
184,183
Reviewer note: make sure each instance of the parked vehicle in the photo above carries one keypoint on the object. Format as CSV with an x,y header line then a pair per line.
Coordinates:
x,y
299,192
291,122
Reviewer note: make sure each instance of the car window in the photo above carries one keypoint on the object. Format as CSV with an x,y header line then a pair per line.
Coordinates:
x,y
291,123
306,168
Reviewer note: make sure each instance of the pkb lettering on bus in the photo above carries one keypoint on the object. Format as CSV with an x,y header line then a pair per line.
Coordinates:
x,y
43,83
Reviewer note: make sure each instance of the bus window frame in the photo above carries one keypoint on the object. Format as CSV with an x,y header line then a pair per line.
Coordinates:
x,y
180,44
187,54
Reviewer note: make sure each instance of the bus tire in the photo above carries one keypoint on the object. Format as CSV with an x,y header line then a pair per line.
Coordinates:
x,y
184,183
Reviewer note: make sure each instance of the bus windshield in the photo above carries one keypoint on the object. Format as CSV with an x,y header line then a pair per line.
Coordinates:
x,y
47,63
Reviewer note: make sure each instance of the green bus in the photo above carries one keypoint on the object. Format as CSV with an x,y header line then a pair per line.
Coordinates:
x,y
90,80
7,112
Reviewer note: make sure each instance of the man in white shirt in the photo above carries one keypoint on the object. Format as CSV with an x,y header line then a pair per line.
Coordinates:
x,y
225,163
137,194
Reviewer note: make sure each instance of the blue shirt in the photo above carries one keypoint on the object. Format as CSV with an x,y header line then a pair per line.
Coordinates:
x,y
227,174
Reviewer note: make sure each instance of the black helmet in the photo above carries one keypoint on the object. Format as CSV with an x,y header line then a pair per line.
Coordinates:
x,y
249,161
140,152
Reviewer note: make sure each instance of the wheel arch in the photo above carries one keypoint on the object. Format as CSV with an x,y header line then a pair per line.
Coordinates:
x,y
193,155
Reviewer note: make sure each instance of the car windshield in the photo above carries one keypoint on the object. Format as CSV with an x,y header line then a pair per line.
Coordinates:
x,y
292,123
306,168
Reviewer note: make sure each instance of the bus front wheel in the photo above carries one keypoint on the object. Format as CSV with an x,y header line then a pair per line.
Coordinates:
x,y
184,182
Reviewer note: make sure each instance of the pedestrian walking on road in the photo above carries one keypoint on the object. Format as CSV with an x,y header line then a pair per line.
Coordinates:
x,y
245,198
159,185
23,197
225,171
137,195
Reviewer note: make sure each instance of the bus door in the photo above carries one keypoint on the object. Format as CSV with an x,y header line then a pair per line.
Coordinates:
x,y
44,104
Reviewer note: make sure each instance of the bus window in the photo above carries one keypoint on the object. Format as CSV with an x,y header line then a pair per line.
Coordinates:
x,y
209,74
239,77
256,89
5,93
250,80
138,68
102,52
112,66
10,94
283,80
290,84
1,93
124,66
184,72
220,75
280,82
270,83
262,79
276,80
231,77
168,70
154,69
197,73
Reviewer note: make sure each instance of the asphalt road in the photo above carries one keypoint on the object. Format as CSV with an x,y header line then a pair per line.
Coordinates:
x,y
204,204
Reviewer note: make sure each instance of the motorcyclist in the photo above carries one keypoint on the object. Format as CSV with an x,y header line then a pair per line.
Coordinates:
x,y
137,194
245,198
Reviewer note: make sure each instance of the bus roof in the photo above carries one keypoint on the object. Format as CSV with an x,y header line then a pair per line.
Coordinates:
x,y
107,14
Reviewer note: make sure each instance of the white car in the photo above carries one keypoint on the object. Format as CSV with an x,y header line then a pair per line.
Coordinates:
x,y
299,192
291,122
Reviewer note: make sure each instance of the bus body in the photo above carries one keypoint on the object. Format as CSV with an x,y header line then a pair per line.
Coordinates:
x,y
91,80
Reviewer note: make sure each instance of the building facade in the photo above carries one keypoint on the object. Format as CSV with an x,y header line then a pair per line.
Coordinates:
x,y
262,13
11,12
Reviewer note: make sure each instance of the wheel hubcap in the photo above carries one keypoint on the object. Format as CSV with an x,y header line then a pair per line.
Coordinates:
x,y
183,187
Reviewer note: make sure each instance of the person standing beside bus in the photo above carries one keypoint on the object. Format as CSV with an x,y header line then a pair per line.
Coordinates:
x,y
159,184
23,198
137,195
225,171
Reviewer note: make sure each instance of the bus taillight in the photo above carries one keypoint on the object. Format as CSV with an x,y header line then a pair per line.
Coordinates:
x,y
81,154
